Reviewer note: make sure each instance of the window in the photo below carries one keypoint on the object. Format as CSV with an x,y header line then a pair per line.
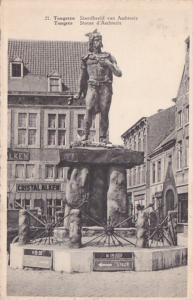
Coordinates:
x,y
20,171
30,171
26,203
132,144
159,170
186,151
16,69
139,174
60,172
129,177
169,158
80,126
143,174
24,171
135,144
15,203
179,119
129,143
134,176
183,208
56,129
38,203
139,142
144,141
27,129
80,121
179,155
58,202
9,170
153,173
55,84
93,122
187,114
49,171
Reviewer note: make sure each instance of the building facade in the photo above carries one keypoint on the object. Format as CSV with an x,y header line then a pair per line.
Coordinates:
x,y
182,140
145,135
163,192
43,118
166,150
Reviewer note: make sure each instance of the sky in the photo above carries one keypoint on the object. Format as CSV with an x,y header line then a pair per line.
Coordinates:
x,y
149,46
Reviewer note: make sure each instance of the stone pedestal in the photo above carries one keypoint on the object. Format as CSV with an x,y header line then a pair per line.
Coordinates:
x,y
23,227
75,229
142,228
97,206
61,235
98,175
117,206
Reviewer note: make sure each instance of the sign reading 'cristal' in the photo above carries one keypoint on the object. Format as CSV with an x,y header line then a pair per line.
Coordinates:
x,y
38,187
113,261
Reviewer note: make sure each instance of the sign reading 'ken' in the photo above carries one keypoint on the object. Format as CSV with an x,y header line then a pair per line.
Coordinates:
x,y
113,261
15,155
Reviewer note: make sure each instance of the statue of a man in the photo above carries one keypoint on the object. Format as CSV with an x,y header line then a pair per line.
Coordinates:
x,y
97,69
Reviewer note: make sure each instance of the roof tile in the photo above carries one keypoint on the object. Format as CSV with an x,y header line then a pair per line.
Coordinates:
x,y
43,57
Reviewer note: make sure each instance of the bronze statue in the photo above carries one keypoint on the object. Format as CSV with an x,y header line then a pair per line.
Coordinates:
x,y
97,69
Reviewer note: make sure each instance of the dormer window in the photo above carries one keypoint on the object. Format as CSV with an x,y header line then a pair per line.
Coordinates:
x,y
16,68
54,82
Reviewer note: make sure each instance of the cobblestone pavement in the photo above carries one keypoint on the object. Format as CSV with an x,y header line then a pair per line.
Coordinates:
x,y
170,283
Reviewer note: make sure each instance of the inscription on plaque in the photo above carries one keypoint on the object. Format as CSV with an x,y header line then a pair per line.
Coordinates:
x,y
113,261
36,258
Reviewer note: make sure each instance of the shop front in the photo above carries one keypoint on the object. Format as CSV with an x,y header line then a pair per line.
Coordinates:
x,y
46,198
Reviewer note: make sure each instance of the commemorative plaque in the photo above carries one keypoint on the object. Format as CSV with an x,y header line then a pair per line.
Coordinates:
x,y
113,261
36,258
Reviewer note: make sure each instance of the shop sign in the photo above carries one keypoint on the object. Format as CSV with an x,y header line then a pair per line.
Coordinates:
x,y
15,155
113,261
38,187
36,258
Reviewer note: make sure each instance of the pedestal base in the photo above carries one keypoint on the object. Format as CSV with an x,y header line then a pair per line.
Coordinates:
x,y
86,260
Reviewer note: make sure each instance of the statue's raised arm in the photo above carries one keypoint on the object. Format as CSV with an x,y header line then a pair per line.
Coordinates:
x,y
112,64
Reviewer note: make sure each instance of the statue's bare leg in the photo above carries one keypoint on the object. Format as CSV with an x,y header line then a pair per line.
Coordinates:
x,y
91,98
104,105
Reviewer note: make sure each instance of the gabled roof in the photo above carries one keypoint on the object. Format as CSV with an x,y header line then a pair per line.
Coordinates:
x,y
17,59
138,123
169,141
185,74
41,58
160,125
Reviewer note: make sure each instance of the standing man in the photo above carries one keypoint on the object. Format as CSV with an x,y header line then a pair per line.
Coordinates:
x,y
97,69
